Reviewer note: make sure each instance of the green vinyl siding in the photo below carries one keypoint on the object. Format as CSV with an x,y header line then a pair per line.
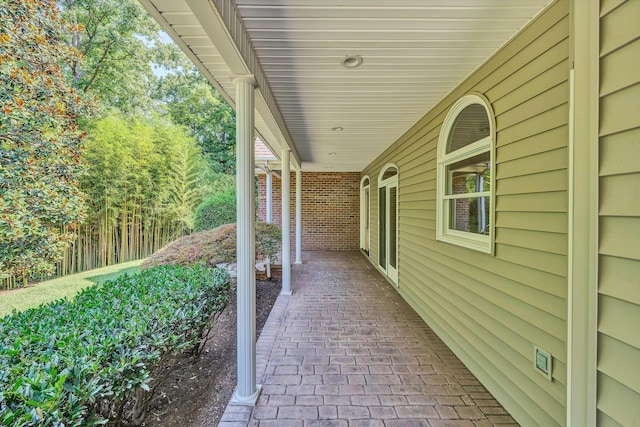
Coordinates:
x,y
618,392
493,310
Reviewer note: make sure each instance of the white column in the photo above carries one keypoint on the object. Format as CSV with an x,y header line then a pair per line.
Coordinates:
x,y
286,229
248,391
269,218
299,216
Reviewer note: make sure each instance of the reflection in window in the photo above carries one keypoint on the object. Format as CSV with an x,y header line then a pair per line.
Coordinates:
x,y
469,177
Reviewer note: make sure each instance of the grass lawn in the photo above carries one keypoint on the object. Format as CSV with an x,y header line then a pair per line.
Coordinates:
x,y
67,286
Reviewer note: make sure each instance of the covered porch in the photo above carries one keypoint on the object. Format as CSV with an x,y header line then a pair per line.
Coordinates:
x,y
346,349
380,90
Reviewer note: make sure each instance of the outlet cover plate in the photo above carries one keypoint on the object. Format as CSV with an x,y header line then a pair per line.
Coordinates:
x,y
542,362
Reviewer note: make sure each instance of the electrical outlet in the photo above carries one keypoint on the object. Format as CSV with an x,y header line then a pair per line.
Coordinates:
x,y
542,362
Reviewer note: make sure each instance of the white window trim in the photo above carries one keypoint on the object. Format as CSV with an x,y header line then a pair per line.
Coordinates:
x,y
477,242
382,182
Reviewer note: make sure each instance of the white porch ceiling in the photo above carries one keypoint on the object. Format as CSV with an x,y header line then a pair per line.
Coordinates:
x,y
414,51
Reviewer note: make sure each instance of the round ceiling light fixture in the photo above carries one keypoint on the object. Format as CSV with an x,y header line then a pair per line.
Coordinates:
x,y
351,61
337,129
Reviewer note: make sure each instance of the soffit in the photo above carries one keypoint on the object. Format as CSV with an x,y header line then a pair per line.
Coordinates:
x,y
414,51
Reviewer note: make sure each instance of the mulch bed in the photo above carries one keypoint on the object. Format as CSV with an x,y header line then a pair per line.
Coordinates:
x,y
197,392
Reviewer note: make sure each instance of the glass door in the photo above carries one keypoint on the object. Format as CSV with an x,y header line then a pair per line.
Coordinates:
x,y
365,215
388,223
392,231
382,228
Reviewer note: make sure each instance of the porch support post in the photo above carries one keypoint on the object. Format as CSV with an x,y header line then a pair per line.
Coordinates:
x,y
269,195
247,392
286,229
269,218
298,216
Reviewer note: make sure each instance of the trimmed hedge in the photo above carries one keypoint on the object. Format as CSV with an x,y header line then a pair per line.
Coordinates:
x,y
218,209
98,359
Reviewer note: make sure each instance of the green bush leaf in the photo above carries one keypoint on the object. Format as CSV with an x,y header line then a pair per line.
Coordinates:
x,y
76,363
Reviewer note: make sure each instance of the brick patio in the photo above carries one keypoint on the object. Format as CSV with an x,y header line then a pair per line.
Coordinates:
x,y
346,350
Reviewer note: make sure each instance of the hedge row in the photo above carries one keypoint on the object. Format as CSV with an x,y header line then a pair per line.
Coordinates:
x,y
218,209
98,359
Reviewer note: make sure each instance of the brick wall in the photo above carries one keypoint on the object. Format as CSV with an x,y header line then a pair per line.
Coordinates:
x,y
330,209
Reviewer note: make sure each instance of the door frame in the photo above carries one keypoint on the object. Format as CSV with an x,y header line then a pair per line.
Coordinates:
x,y
388,183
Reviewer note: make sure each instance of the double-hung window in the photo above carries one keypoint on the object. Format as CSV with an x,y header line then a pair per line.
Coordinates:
x,y
465,193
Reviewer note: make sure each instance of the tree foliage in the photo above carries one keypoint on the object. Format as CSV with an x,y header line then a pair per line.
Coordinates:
x,y
186,185
218,209
144,178
122,44
192,102
40,141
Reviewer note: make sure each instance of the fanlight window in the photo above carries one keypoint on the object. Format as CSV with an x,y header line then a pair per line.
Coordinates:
x,y
465,163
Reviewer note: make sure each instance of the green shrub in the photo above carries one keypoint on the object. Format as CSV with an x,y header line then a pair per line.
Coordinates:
x,y
98,359
218,209
212,247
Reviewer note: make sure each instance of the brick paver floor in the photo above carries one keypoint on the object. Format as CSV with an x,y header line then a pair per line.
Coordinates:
x,y
346,350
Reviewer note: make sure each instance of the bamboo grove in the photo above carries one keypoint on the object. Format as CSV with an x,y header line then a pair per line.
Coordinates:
x,y
144,178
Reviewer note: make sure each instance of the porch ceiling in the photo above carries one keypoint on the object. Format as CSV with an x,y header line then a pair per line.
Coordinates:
x,y
414,52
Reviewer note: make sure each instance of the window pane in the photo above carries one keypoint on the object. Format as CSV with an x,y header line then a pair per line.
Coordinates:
x,y
393,227
389,173
471,125
470,215
472,175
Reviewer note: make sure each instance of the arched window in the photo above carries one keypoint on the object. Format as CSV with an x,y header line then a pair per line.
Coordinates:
x,y
388,221
465,193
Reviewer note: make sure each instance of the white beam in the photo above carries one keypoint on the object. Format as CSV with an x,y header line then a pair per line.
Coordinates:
x,y
298,216
248,391
286,229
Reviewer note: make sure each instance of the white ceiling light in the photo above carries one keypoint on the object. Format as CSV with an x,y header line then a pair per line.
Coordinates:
x,y
351,61
337,129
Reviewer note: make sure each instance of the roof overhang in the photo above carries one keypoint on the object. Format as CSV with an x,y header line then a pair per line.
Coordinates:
x,y
331,117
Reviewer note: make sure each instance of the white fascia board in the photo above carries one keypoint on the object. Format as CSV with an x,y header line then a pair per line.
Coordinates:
x,y
244,61
166,27
213,24
269,124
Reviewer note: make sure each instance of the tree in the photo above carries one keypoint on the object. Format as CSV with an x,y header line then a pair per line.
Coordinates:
x,y
121,44
41,144
144,178
192,102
